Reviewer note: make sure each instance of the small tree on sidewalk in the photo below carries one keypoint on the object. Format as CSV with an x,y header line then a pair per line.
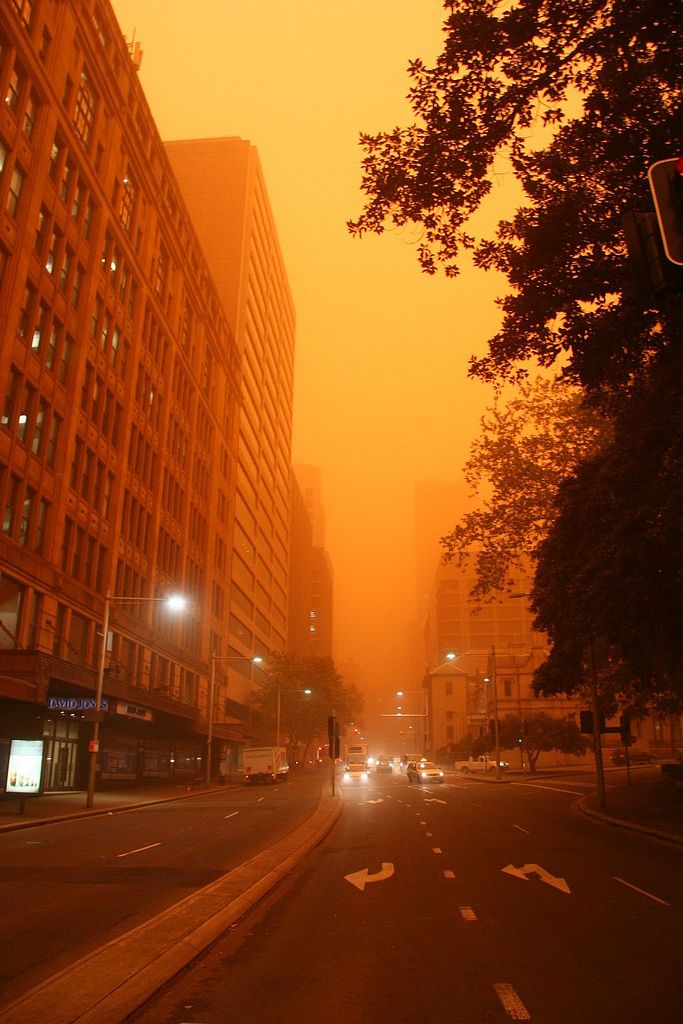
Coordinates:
x,y
539,733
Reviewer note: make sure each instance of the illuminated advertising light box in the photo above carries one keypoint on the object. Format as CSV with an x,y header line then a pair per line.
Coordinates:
x,y
25,767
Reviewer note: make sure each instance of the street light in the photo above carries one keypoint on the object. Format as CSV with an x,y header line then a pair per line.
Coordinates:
x,y
307,692
400,713
256,660
174,602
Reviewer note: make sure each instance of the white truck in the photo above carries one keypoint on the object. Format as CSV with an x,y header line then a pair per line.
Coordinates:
x,y
265,764
483,763
357,753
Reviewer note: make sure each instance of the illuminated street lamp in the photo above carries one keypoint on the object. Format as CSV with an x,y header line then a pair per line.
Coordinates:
x,y
256,660
175,603
307,693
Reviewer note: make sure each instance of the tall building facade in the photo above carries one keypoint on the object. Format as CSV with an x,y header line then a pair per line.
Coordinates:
x,y
222,184
321,606
122,453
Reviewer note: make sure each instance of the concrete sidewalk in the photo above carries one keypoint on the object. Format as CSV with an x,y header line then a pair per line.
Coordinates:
x,y
61,806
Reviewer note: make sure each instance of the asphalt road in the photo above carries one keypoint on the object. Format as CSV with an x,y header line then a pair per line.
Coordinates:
x,y
69,887
460,902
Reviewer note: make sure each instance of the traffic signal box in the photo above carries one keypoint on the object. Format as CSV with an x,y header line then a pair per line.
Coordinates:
x,y
333,737
666,183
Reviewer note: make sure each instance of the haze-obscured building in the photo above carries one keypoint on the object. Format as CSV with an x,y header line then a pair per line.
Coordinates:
x,y
223,186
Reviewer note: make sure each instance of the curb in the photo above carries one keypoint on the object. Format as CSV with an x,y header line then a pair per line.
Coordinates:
x,y
110,983
629,826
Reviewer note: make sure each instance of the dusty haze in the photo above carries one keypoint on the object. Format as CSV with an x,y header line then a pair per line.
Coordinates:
x,y
381,393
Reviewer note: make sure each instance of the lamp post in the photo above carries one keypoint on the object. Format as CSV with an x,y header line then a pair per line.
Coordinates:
x,y
307,691
256,660
425,734
175,602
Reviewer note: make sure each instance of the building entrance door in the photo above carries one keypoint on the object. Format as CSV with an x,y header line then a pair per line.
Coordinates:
x,y
61,750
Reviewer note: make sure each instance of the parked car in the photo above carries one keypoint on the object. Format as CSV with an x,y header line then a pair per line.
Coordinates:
x,y
423,771
634,756
484,763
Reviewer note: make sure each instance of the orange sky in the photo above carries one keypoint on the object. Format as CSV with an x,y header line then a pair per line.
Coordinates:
x,y
381,393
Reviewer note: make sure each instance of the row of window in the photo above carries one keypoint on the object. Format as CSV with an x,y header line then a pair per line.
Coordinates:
x,y
25,513
91,479
30,418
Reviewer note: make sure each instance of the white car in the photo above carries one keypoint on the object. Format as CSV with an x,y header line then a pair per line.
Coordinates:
x,y
424,771
356,774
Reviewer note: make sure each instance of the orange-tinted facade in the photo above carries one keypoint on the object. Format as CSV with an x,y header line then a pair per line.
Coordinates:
x,y
119,382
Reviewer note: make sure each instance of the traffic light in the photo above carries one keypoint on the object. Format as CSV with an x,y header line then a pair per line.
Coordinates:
x,y
333,737
666,183
625,730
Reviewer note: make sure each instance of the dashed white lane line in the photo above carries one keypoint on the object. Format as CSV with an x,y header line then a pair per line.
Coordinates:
x,y
231,815
643,892
519,827
512,1004
467,914
430,834
437,849
139,849
448,873
423,822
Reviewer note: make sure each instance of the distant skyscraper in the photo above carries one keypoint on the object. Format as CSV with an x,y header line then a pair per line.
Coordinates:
x,y
223,187
322,580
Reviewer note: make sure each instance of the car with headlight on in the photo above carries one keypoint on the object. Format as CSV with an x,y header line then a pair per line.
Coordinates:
x,y
424,771
356,774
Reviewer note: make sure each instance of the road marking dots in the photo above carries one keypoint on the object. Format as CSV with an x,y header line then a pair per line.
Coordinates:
x,y
231,815
437,849
430,834
448,873
512,1004
139,849
467,914
643,892
423,822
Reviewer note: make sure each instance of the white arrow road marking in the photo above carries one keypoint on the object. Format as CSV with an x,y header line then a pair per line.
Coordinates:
x,y
380,801
513,1005
534,869
361,878
434,800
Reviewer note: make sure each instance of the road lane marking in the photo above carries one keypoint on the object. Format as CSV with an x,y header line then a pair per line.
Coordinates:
x,y
361,878
553,789
522,829
435,800
467,914
437,849
448,873
423,822
512,1004
642,891
260,799
430,834
139,849
231,815
534,869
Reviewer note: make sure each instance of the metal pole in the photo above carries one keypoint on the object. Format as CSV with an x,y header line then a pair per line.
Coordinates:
x,y
277,732
597,742
95,741
495,709
209,733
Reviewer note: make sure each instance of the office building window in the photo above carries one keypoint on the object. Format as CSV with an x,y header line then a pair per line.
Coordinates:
x,y
84,114
14,191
